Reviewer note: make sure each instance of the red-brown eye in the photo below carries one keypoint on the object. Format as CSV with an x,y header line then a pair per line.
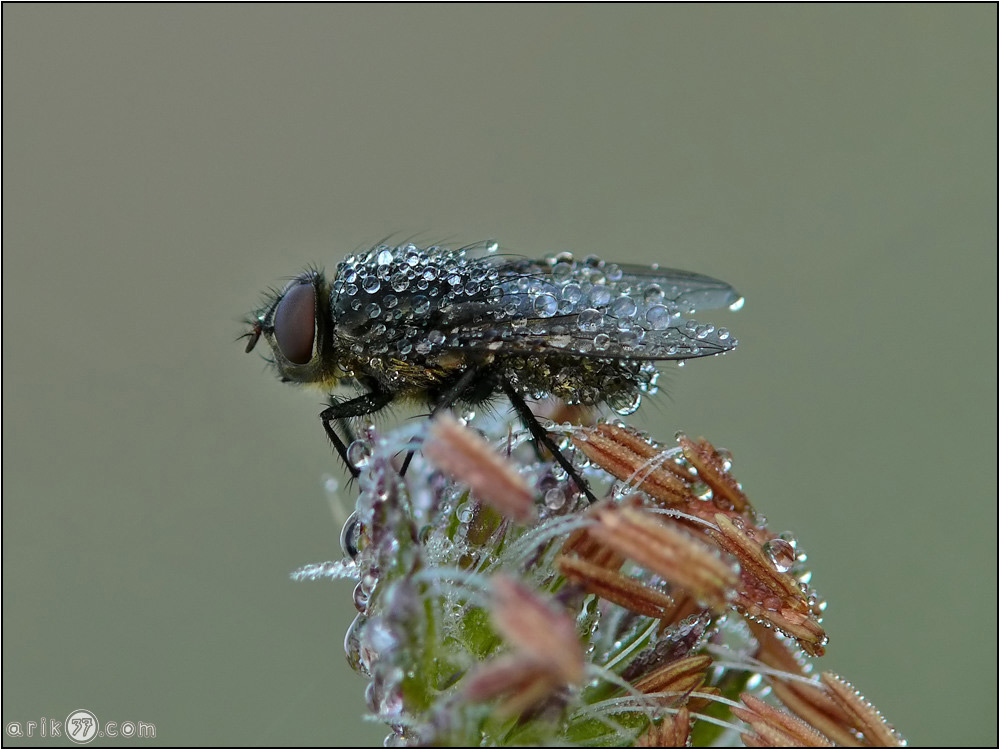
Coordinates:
x,y
295,323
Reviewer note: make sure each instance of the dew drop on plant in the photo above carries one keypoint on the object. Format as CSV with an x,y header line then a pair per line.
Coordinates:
x,y
780,553
377,641
350,535
630,407
555,499
391,703
352,645
800,555
359,453
373,697
361,599
702,491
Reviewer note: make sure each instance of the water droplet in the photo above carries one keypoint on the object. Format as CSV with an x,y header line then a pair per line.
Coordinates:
x,y
589,320
421,304
658,317
630,407
377,642
371,284
464,512
562,271
600,296
373,696
384,257
400,282
361,598
391,705
702,491
572,293
359,453
555,499
737,305
352,645
623,307
780,553
545,305
350,535
653,293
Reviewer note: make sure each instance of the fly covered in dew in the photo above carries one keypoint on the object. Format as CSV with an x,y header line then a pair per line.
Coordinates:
x,y
447,327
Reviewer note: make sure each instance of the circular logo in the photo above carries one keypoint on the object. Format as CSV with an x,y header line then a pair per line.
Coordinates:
x,y
81,726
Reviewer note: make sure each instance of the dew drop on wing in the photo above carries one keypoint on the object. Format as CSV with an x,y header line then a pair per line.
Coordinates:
x,y
623,307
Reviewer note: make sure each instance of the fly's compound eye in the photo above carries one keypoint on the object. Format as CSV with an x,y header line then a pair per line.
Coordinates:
x,y
295,323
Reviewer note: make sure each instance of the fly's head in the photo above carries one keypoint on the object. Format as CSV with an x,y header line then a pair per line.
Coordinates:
x,y
295,323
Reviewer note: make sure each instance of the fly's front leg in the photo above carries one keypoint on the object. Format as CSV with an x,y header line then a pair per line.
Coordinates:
x,y
341,411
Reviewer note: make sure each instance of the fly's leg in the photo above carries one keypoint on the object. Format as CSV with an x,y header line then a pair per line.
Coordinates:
x,y
448,400
540,436
341,411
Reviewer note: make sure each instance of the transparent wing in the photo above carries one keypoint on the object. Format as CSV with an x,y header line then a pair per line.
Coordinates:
x,y
409,299
691,291
565,336
594,309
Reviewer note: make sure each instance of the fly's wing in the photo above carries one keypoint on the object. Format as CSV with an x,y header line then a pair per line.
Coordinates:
x,y
591,308
690,291
403,300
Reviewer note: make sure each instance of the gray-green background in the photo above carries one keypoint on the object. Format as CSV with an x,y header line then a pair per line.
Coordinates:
x,y
162,165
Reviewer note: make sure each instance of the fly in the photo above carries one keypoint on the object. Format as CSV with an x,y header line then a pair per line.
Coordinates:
x,y
447,327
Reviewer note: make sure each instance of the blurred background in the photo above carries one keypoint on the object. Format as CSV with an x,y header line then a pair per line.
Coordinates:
x,y
163,164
